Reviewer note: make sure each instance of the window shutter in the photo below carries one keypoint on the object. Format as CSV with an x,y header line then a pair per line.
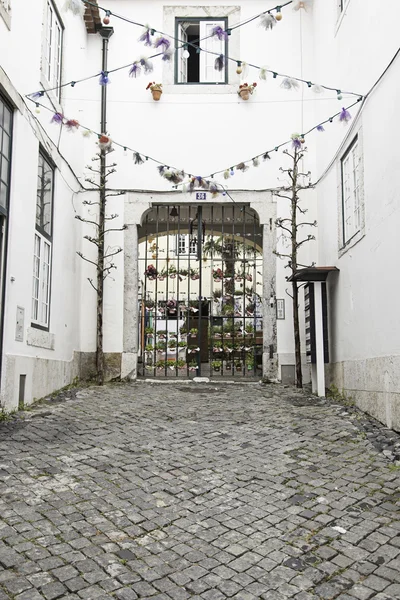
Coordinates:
x,y
208,74
182,62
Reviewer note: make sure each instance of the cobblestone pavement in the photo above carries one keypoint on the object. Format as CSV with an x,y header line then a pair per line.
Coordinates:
x,y
195,491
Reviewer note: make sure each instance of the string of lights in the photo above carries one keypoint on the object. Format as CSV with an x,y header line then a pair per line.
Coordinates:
x,y
268,20
177,176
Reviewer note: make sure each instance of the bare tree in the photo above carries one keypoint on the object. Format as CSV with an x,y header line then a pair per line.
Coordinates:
x,y
103,263
291,228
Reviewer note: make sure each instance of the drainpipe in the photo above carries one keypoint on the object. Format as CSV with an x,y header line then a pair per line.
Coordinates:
x,y
106,33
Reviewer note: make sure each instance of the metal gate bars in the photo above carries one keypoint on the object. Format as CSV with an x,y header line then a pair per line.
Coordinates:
x,y
200,292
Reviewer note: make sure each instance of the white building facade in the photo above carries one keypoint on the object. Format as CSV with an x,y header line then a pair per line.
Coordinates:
x,y
201,126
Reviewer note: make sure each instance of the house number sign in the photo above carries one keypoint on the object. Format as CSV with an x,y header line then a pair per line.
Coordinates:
x,y
201,195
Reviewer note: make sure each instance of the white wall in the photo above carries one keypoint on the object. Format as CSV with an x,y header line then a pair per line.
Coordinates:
x,y
46,358
365,330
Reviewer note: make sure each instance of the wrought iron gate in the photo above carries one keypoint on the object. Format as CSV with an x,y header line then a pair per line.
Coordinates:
x,y
200,293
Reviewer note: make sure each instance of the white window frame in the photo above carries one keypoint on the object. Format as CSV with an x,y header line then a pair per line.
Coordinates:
x,y
42,256
208,75
42,261
52,47
185,245
5,12
351,194
218,13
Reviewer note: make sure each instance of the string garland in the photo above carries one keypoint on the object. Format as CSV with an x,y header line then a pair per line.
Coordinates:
x,y
177,176
289,82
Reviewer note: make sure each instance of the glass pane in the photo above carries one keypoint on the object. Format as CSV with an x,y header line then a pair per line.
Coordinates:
x,y
1,113
5,144
3,195
7,119
4,170
44,195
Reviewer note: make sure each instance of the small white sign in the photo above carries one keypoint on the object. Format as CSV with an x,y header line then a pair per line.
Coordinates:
x,y
280,308
19,326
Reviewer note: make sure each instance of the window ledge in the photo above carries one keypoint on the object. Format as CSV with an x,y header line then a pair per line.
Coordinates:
x,y
353,241
6,15
200,88
40,339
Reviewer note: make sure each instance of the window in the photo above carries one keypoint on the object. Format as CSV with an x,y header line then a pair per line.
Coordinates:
x,y
5,11
52,46
5,153
43,244
186,245
351,205
197,66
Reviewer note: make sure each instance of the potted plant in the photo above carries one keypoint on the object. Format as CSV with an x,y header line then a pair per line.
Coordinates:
x,y
194,274
183,272
171,306
162,334
250,308
245,90
193,365
193,332
193,349
217,295
156,90
172,344
218,275
182,344
228,366
216,365
216,332
172,272
250,363
183,330
160,364
238,365
161,346
149,331
181,364
217,347
249,329
228,310
151,272
149,348
162,275
171,364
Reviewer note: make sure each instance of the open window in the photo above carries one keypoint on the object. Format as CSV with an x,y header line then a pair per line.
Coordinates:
x,y
196,51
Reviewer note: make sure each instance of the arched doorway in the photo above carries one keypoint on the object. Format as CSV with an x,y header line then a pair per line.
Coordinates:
x,y
200,294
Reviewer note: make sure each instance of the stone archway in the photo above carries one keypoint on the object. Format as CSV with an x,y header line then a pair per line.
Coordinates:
x,y
137,207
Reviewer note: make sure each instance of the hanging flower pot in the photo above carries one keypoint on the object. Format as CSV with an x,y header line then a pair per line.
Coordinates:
x,y
245,90
155,89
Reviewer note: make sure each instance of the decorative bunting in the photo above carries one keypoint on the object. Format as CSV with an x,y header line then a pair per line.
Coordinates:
x,y
320,128
104,79
104,142
290,84
138,159
145,37
219,64
263,73
75,6
57,118
297,4
267,21
147,65
344,116
219,33
135,70
72,124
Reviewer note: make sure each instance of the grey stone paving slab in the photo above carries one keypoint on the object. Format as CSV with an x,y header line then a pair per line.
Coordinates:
x,y
197,491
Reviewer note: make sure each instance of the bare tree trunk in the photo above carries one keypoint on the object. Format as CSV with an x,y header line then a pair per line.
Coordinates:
x,y
296,324
100,271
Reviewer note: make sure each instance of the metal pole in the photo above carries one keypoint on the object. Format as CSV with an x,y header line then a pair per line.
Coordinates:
x,y
106,33
200,258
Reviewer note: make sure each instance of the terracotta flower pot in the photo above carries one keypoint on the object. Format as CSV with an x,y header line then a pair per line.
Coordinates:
x,y
244,94
156,94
